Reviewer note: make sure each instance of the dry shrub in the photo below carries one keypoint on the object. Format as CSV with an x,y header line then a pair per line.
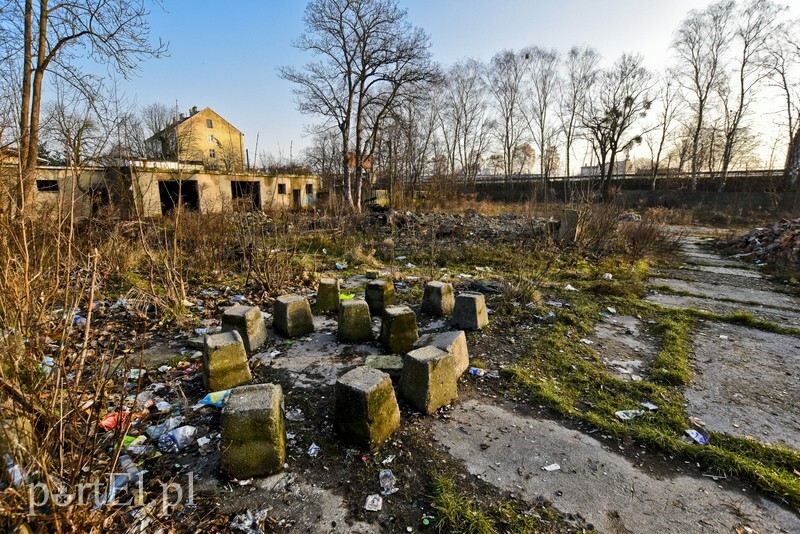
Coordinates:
x,y
598,235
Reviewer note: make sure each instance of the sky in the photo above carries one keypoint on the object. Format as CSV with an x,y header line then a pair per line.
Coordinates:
x,y
225,55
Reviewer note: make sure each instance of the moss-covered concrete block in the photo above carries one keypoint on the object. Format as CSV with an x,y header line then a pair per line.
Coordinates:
x,y
429,379
439,299
453,343
379,294
253,437
225,361
16,436
569,229
469,312
392,364
355,323
292,316
365,409
327,295
398,329
248,321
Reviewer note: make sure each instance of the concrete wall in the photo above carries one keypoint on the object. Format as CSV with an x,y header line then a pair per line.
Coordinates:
x,y
73,186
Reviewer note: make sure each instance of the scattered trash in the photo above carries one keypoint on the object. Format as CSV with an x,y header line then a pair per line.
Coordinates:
x,y
202,442
388,459
156,431
400,258
249,522
557,304
699,437
410,265
131,475
627,415
612,311
649,405
586,341
163,406
723,337
313,450
164,368
608,276
545,317
387,481
476,371
47,365
13,471
114,420
239,298
347,296
341,266
551,467
605,315
217,398
177,439
295,414
569,287
374,503
136,374
79,321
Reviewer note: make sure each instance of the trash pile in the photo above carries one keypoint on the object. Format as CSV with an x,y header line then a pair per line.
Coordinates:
x,y
779,243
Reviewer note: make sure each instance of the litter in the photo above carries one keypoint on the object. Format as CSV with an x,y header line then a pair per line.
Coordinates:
x,y
551,467
295,414
545,317
274,353
612,311
608,276
313,450
400,258
627,415
163,406
156,431
115,420
341,266
374,503
348,296
586,341
131,474
249,522
723,337
649,405
569,287
217,398
239,298
13,471
476,371
387,481
699,437
410,265
177,439
164,368
202,442
388,459
47,365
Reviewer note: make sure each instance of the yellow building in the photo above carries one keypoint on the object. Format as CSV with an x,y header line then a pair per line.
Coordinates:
x,y
202,137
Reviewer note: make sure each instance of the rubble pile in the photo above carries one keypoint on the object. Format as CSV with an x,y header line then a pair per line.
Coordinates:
x,y
779,243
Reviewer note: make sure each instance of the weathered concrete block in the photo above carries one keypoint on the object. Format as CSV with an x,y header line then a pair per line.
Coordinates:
x,y
429,379
373,274
327,295
453,343
248,321
365,408
569,230
439,299
379,294
225,361
355,323
398,329
469,311
16,436
253,439
292,316
392,364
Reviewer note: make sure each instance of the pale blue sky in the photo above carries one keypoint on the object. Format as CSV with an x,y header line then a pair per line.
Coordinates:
x,y
224,55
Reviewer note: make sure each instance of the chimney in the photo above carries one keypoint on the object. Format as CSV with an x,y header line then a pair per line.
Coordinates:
x,y
193,110
183,116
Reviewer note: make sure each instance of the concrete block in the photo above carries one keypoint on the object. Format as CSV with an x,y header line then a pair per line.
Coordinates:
x,y
355,323
327,295
365,407
379,294
429,379
398,329
392,364
253,439
439,299
292,316
373,274
453,343
225,361
16,436
469,312
569,230
248,321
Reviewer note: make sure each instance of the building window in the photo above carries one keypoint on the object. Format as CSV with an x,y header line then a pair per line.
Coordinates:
x,y
209,123
212,153
309,189
47,186
281,189
211,138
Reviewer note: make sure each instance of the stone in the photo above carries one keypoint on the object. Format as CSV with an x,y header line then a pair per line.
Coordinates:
x,y
327,295
569,230
225,361
398,329
355,323
392,364
429,379
365,407
439,299
248,321
292,316
453,343
379,294
469,312
253,437
196,343
373,274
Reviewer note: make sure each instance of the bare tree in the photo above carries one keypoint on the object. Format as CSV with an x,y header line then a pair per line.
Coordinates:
x,y
48,38
784,51
542,82
668,109
755,23
367,52
700,43
580,73
505,77
619,99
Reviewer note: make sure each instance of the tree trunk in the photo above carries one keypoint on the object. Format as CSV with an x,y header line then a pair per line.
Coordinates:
x,y
792,166
695,148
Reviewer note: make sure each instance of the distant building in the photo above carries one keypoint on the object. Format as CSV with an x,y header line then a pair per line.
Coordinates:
x,y
201,137
621,168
